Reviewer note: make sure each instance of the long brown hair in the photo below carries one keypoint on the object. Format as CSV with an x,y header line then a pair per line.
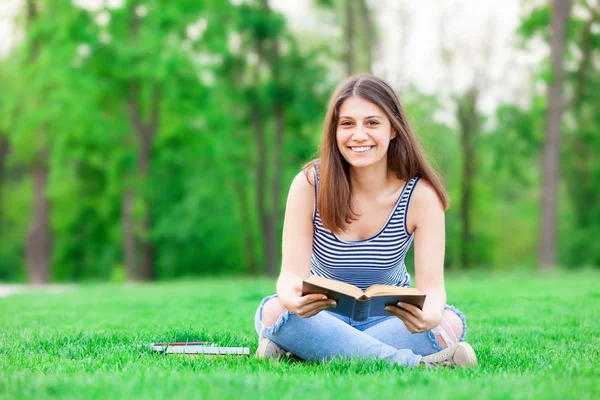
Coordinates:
x,y
404,156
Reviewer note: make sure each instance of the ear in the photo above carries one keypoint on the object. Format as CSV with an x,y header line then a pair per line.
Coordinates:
x,y
394,134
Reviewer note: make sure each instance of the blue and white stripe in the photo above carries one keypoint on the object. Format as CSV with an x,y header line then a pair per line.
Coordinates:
x,y
377,260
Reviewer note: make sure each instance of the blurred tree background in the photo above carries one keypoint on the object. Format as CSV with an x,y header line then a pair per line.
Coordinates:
x,y
148,139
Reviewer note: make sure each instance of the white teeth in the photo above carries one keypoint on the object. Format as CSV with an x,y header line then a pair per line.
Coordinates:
x,y
361,149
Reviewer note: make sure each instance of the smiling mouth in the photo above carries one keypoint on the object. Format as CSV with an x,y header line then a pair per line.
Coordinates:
x,y
362,149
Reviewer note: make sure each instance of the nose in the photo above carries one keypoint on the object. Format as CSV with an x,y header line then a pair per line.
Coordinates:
x,y
359,134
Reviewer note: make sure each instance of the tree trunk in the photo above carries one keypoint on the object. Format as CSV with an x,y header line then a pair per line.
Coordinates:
x,y
39,246
146,253
468,123
258,125
3,156
241,189
365,14
127,222
145,133
261,171
561,10
272,217
349,36
279,115
404,19
249,243
582,189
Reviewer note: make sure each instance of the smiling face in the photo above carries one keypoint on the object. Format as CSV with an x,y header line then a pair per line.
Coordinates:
x,y
363,133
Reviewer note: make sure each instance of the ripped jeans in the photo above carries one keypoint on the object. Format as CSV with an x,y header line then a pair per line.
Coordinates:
x,y
327,335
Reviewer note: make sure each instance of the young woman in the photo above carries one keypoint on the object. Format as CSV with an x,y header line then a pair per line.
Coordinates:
x,y
351,215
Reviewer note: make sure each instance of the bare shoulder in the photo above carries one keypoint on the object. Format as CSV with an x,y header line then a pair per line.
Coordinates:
x,y
425,197
301,197
425,204
304,181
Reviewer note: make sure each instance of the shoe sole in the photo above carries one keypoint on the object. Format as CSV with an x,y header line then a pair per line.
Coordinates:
x,y
464,356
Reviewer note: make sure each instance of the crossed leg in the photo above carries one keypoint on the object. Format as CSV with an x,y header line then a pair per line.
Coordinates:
x,y
323,337
451,326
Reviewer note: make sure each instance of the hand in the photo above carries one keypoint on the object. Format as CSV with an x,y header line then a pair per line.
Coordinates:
x,y
308,305
415,320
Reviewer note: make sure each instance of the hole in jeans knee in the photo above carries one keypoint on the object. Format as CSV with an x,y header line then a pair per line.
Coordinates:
x,y
441,341
460,324
450,327
453,325
272,311
434,340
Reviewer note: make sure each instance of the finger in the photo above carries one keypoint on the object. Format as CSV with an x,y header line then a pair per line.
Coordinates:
x,y
409,320
298,288
319,304
410,308
315,308
311,298
393,310
316,311
412,324
397,311
409,317
411,327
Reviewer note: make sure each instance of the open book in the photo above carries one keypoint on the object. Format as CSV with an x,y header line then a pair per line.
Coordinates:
x,y
353,303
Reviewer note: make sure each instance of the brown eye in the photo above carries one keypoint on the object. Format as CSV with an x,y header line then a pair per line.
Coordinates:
x,y
373,123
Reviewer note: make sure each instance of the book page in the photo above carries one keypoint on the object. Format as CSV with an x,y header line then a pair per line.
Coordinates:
x,y
338,286
383,290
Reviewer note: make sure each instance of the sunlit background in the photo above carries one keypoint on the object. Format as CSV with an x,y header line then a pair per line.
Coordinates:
x,y
144,140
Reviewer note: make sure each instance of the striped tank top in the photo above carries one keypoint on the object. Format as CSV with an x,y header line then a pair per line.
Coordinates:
x,y
377,260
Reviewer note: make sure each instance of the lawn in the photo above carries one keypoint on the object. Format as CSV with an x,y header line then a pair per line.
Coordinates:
x,y
536,337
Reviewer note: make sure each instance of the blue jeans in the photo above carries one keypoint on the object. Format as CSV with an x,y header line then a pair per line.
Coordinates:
x,y
327,335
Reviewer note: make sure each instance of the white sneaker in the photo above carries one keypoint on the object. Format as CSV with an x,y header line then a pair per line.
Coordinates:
x,y
460,354
269,349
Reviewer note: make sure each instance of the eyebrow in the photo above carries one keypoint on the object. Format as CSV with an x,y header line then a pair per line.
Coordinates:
x,y
370,116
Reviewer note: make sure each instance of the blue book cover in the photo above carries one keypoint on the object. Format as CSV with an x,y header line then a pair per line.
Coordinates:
x,y
353,303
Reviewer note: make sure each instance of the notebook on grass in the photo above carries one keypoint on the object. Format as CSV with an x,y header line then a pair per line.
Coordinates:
x,y
198,348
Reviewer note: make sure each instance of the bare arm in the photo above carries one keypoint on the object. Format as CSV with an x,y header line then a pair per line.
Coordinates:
x,y
426,216
297,249
430,242
297,235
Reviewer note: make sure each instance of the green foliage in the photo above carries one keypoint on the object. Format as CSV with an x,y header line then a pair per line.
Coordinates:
x,y
68,89
76,103
537,22
580,167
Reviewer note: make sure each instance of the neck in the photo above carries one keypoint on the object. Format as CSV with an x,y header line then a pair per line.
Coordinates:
x,y
371,181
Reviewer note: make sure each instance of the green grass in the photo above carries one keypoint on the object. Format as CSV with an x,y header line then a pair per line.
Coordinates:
x,y
536,337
